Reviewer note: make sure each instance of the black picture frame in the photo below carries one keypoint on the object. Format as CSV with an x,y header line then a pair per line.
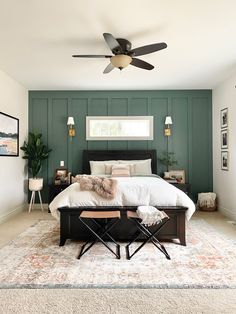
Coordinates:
x,y
224,118
9,135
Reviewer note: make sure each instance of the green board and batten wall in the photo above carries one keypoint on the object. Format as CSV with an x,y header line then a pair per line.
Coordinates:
x,y
191,139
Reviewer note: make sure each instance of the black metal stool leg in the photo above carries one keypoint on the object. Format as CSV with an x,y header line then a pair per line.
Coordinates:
x,y
150,237
101,228
106,229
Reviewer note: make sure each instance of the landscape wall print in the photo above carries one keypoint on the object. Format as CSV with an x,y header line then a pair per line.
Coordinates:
x,y
9,135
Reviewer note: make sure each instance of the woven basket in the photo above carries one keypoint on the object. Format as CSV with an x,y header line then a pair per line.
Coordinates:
x,y
207,209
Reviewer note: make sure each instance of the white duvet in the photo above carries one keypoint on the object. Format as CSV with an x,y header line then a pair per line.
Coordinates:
x,y
131,191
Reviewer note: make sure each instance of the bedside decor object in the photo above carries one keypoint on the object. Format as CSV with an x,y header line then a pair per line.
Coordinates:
x,y
224,139
177,175
224,118
35,152
9,135
168,159
61,176
224,160
206,201
71,126
168,122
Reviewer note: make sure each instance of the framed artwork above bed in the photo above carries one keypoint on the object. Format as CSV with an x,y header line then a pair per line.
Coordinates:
x,y
9,135
117,128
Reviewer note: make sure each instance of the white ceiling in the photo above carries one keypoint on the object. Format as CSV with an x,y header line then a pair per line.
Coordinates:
x,y
38,37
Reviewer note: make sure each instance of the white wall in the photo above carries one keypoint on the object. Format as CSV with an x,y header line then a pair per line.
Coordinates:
x,y
224,182
13,101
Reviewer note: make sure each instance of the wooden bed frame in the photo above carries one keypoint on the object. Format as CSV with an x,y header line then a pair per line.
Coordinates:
x,y
71,227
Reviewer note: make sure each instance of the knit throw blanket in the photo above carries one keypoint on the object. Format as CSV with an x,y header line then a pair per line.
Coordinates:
x,y
104,187
149,215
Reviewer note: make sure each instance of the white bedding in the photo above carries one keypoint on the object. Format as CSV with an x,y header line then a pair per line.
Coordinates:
x,y
131,191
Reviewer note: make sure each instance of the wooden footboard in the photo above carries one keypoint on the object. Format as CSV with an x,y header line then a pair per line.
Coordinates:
x,y
71,227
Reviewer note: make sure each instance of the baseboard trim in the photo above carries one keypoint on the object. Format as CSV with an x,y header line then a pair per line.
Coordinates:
x,y
12,213
227,212
38,206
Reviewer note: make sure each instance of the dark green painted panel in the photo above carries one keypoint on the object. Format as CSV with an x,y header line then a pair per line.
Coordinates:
x,y
98,107
118,107
138,107
190,110
180,132
79,107
159,110
58,140
201,160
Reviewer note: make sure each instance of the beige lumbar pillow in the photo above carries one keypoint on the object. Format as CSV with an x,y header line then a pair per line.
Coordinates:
x,y
120,170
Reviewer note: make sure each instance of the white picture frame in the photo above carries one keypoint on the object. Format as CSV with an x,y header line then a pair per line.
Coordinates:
x,y
178,175
225,160
224,139
224,118
118,128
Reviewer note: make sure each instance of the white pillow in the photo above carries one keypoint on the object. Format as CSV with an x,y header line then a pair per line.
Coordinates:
x,y
98,167
140,167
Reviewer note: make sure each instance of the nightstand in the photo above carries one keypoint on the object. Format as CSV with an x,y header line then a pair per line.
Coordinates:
x,y
54,190
185,187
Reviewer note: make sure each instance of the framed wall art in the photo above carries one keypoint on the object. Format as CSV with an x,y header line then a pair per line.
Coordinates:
x,y
61,176
224,139
9,135
119,128
225,160
178,175
224,118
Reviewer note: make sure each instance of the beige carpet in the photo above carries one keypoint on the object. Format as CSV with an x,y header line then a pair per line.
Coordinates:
x,y
114,301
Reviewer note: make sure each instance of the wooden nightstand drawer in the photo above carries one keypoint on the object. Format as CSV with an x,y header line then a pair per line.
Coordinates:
x,y
185,187
54,190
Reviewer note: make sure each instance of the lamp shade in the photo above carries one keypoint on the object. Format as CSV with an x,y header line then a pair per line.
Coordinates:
x,y
121,61
70,121
168,120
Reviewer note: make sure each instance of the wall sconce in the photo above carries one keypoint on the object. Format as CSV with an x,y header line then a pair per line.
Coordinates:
x,y
71,128
168,122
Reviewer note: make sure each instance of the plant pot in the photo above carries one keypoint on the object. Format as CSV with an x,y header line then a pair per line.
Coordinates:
x,y
35,184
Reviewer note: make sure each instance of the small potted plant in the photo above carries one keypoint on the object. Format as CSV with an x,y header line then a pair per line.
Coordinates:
x,y
36,152
168,159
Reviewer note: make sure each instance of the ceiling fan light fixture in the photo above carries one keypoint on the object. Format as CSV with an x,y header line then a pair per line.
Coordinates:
x,y
121,61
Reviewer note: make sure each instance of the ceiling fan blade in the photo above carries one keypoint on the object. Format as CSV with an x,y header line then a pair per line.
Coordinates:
x,y
112,42
141,64
109,68
147,49
91,56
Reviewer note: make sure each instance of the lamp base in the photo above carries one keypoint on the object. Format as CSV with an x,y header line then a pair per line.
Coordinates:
x,y
168,132
71,132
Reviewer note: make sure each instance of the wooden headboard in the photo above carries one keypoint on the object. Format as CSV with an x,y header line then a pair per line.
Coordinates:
x,y
118,155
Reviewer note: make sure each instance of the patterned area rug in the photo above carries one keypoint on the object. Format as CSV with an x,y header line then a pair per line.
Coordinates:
x,y
34,260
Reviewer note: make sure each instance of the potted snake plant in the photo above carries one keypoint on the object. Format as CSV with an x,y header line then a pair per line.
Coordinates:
x,y
35,152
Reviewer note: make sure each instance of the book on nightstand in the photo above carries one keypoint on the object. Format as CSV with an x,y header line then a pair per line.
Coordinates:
x,y
171,180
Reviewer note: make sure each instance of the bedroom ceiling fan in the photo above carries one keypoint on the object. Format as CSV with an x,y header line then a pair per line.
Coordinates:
x,y
123,55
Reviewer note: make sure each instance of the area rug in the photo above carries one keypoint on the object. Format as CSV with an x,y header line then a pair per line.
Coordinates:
x,y
34,260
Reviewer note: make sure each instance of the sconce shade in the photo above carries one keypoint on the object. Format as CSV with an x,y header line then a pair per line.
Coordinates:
x,y
70,121
168,120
